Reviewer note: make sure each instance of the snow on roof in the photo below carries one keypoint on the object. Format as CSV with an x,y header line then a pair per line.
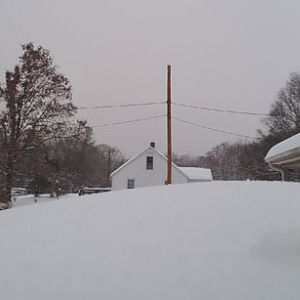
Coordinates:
x,y
290,144
196,173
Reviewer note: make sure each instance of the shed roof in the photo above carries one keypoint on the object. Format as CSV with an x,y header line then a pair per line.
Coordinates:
x,y
194,173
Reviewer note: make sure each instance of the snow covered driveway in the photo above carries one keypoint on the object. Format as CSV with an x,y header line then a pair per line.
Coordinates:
x,y
217,240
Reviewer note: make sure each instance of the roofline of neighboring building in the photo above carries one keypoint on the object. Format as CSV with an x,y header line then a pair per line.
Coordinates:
x,y
202,177
289,157
175,166
284,148
129,161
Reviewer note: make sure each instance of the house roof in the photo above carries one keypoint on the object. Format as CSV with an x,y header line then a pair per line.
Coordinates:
x,y
196,173
189,172
128,162
285,154
279,150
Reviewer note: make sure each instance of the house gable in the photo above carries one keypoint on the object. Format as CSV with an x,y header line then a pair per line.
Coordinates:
x,y
141,154
137,169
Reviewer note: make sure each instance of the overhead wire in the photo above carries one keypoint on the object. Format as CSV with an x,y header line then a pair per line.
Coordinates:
x,y
231,111
214,129
130,121
220,110
175,118
120,105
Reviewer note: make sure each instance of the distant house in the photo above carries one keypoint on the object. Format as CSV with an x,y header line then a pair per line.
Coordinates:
x,y
285,155
149,168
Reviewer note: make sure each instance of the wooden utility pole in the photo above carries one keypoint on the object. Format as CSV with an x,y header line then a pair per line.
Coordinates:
x,y
108,165
169,131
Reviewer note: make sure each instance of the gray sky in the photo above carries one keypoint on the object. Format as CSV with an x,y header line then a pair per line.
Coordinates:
x,y
232,54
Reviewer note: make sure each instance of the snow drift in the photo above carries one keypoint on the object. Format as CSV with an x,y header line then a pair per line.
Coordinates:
x,y
217,240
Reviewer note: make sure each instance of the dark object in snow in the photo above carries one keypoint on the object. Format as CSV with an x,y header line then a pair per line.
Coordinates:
x,y
93,190
5,205
81,192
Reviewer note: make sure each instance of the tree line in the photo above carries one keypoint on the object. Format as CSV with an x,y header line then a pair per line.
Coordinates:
x,y
242,161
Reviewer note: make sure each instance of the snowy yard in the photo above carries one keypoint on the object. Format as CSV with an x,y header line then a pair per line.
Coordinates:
x,y
217,240
30,199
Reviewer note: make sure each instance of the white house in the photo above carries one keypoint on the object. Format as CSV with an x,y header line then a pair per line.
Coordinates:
x,y
149,168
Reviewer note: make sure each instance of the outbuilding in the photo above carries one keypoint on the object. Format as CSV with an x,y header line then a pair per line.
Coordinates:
x,y
149,168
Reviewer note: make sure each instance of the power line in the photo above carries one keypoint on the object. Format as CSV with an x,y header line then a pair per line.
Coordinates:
x,y
220,110
175,104
214,129
129,121
175,118
120,105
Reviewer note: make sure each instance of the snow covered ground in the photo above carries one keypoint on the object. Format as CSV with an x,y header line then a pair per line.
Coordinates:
x,y
30,199
216,240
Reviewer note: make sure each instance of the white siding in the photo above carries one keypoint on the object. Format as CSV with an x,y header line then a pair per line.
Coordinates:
x,y
137,170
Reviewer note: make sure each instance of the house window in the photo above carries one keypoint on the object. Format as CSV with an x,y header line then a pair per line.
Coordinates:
x,y
149,163
130,183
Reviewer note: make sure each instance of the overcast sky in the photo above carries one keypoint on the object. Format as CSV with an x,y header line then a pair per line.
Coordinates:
x,y
232,54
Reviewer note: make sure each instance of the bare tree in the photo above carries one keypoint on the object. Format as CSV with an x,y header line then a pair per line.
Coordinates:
x,y
36,106
284,119
111,159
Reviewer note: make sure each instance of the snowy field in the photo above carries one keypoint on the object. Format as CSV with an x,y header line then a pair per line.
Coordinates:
x,y
30,199
216,241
